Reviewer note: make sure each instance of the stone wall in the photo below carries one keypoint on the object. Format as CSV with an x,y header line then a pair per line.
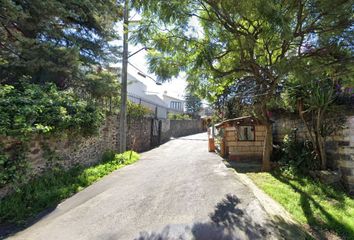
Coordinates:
x,y
284,124
339,146
69,151
138,137
179,128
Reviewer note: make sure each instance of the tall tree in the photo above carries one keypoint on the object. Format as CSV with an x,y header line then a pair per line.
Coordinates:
x,y
193,103
256,42
54,40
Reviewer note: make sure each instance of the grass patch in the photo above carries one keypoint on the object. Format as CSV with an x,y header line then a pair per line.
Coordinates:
x,y
310,202
54,186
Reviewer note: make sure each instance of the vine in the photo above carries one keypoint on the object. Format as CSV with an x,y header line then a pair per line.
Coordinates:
x,y
29,110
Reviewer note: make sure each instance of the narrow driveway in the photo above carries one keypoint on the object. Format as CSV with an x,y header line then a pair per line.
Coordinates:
x,y
176,191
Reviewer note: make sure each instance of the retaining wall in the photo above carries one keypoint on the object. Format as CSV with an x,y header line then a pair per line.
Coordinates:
x,y
339,146
68,151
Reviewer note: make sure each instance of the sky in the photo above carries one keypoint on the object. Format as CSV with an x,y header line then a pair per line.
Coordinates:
x,y
175,87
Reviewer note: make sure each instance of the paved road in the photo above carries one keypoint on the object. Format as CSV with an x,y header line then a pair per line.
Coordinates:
x,y
176,191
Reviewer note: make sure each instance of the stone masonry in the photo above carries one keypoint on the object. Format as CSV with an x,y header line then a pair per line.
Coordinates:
x,y
69,151
340,145
245,150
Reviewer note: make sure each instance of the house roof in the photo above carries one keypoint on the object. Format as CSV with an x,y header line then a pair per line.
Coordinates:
x,y
239,121
174,98
149,98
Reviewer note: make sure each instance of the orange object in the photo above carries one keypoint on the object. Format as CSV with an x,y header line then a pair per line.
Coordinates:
x,y
211,141
211,145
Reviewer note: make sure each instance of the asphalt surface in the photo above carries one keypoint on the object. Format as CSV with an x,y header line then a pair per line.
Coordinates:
x,y
176,191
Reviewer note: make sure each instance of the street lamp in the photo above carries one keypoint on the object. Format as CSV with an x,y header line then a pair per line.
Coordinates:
x,y
141,72
147,76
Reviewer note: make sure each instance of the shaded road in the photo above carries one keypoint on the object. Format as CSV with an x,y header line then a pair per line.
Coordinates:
x,y
176,191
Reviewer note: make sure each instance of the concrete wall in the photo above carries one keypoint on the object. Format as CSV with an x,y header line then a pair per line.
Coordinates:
x,y
244,150
340,145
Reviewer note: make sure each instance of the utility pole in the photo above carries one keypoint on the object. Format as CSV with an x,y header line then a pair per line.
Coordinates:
x,y
123,108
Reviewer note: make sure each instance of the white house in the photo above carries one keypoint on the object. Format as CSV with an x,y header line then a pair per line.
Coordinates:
x,y
137,93
175,105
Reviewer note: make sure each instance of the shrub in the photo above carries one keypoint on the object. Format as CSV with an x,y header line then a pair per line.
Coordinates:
x,y
30,109
56,184
178,116
294,156
136,111
13,165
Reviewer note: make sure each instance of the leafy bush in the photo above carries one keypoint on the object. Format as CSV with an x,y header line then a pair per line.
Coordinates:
x,y
108,156
137,111
102,84
31,108
178,116
57,184
294,156
13,165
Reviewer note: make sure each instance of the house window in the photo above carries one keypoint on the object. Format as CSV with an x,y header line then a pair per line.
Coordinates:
x,y
176,105
246,133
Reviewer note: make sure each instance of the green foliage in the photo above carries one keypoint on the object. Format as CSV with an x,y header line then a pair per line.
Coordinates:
x,y
137,111
102,84
193,104
315,103
253,46
178,116
56,185
321,207
295,157
34,109
55,41
13,165
108,156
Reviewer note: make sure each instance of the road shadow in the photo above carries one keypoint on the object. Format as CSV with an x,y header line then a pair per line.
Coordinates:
x,y
10,229
190,139
227,222
244,166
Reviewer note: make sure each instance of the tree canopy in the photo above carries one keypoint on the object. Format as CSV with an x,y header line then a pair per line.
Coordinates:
x,y
55,41
193,103
256,46
232,40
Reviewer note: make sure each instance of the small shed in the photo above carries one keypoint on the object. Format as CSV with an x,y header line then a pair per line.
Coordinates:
x,y
241,138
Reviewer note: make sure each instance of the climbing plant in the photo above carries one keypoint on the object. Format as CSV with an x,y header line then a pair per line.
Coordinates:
x,y
32,109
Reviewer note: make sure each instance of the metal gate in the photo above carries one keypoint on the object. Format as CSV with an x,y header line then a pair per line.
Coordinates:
x,y
155,135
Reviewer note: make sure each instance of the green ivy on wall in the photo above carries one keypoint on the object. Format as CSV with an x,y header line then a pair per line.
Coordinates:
x,y
28,110
31,109
13,165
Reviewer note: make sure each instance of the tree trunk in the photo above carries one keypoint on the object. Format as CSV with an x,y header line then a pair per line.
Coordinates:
x,y
318,141
268,148
268,141
322,153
